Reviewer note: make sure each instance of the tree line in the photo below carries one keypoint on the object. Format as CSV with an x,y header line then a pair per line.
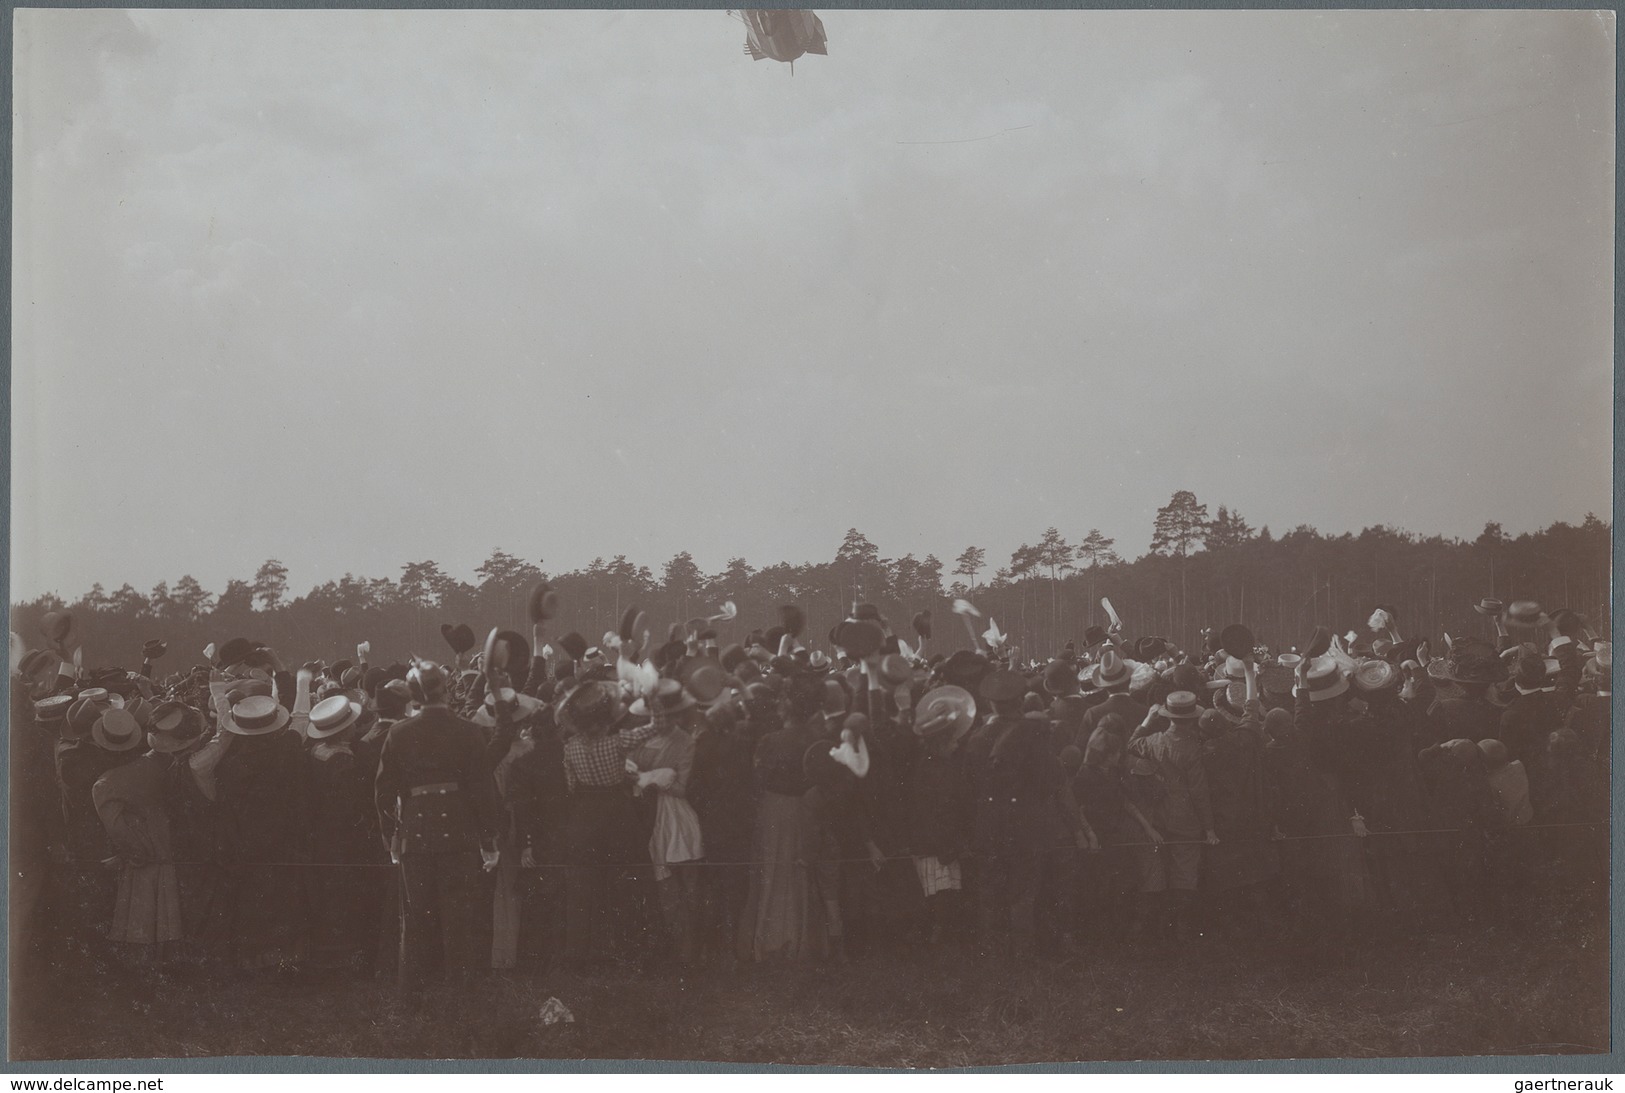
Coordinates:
x,y
1200,571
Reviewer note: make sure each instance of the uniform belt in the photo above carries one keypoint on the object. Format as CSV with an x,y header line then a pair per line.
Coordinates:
x,y
438,787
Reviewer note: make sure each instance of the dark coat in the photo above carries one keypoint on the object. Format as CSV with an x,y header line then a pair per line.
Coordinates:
x,y
938,794
436,748
720,790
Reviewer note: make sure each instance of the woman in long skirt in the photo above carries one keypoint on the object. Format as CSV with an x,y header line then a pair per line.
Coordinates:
x,y
664,764
780,919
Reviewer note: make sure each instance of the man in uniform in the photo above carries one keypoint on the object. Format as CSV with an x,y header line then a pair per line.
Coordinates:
x,y
437,811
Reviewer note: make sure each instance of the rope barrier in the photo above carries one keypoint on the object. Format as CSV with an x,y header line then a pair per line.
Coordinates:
x,y
86,864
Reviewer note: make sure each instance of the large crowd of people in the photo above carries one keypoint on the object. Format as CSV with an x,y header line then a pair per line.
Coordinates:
x,y
541,803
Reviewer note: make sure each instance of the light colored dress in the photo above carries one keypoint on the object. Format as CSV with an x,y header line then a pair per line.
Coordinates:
x,y
676,837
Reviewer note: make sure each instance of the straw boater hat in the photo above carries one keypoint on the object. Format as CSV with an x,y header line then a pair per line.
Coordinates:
x,y
1182,706
256,715
117,730
53,709
1326,679
332,716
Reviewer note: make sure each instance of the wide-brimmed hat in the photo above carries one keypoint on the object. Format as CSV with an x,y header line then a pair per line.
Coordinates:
x,y
1319,642
1094,635
944,708
508,651
256,715
117,730
332,716
922,624
1061,678
1182,706
589,706
671,696
1375,675
152,649
1112,671
1150,648
1488,606
1326,679
1525,613
38,661
141,711
81,717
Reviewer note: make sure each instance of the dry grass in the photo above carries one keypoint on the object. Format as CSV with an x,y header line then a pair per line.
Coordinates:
x,y
1534,983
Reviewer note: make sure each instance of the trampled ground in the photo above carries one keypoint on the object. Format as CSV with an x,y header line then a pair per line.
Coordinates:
x,y
1533,982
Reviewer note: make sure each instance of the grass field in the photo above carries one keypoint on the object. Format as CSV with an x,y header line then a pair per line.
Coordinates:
x,y
1534,982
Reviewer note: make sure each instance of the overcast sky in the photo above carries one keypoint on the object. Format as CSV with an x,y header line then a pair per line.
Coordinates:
x,y
354,289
